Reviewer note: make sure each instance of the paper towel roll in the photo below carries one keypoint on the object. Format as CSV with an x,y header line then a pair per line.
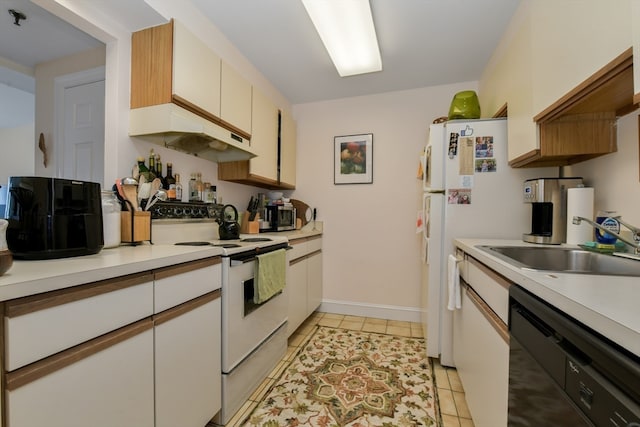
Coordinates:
x,y
580,203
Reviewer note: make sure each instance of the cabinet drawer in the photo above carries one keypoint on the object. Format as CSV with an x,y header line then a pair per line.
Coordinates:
x,y
314,244
177,284
42,325
105,383
299,249
490,286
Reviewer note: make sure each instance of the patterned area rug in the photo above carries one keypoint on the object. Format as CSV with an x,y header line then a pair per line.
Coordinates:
x,y
351,378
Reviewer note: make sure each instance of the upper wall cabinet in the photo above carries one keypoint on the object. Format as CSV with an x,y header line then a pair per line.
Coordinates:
x,y
287,150
564,85
235,99
273,140
635,28
171,65
163,69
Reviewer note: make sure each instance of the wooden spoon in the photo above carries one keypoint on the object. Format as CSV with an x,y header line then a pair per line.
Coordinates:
x,y
131,194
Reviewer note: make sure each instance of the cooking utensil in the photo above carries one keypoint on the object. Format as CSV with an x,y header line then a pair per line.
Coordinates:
x,y
160,195
156,185
228,227
314,219
131,194
303,211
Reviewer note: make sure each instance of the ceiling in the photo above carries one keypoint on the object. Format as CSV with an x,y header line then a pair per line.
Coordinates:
x,y
422,43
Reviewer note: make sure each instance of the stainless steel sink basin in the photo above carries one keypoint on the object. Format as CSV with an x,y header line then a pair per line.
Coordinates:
x,y
564,260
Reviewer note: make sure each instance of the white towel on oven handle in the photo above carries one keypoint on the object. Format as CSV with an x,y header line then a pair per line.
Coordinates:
x,y
453,283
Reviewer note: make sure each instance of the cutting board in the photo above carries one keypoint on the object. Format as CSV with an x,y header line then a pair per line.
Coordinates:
x,y
303,211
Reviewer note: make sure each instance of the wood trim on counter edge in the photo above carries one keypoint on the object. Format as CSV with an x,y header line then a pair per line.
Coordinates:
x,y
494,320
185,307
172,270
37,370
29,304
497,277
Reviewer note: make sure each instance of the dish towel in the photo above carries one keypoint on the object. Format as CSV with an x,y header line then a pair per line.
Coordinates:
x,y
270,275
453,282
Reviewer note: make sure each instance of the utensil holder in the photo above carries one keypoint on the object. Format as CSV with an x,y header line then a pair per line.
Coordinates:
x,y
135,226
250,227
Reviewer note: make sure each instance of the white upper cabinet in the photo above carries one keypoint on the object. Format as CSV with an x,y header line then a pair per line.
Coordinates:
x,y
264,137
550,50
635,28
287,150
235,98
196,71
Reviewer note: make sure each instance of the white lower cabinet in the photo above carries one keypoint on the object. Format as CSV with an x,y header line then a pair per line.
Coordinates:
x,y
140,350
187,363
304,280
481,343
87,386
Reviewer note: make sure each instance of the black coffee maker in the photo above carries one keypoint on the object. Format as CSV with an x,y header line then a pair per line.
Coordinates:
x,y
548,198
53,218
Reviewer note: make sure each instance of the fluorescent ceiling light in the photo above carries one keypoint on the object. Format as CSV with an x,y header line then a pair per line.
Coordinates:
x,y
346,29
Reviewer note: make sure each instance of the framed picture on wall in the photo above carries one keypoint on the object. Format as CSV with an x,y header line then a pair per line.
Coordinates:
x,y
353,159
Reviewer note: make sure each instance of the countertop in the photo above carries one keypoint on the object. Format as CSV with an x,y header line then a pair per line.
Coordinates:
x,y
32,277
26,278
608,304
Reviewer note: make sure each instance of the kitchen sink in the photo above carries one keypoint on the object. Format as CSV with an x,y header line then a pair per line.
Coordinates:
x,y
564,260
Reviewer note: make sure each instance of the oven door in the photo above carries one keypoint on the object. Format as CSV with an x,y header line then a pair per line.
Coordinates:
x,y
245,325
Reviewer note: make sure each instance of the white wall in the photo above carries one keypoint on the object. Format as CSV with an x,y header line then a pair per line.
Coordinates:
x,y
615,177
371,252
17,156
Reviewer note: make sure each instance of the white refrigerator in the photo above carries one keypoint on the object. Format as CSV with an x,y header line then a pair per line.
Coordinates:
x,y
468,191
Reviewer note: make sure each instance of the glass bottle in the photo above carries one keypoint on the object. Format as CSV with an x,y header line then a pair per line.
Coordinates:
x,y
159,171
169,179
178,188
199,187
142,168
110,219
193,188
214,194
152,163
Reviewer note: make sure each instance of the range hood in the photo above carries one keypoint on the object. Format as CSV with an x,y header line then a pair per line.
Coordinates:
x,y
172,126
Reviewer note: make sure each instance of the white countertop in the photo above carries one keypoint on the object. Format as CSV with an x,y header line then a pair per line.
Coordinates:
x,y
33,277
608,304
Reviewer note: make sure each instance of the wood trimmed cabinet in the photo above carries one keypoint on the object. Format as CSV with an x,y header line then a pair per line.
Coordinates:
x,y
171,65
304,280
139,350
481,342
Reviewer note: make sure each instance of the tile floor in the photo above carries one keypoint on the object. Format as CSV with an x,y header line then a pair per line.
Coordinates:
x,y
453,406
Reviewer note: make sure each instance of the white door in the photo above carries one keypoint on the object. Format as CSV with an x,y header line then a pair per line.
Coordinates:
x,y
80,125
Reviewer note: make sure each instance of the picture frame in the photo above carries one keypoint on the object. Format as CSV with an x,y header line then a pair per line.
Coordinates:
x,y
353,159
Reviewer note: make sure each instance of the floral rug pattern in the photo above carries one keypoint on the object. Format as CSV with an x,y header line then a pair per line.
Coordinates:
x,y
344,378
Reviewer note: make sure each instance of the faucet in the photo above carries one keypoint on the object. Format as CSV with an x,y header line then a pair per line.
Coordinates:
x,y
634,243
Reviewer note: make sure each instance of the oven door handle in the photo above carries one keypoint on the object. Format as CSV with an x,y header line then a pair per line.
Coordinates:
x,y
237,262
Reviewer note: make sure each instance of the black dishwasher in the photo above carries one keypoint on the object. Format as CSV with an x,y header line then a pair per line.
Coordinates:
x,y
561,373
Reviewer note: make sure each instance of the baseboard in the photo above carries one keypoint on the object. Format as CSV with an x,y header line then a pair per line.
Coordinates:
x,y
389,312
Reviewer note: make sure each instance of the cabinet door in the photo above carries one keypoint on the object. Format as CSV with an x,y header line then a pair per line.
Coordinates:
x,y
481,356
104,383
264,137
187,357
635,28
297,290
314,281
196,71
235,98
287,150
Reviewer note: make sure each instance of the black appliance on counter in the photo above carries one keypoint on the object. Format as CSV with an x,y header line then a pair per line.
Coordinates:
x,y
53,218
279,218
561,373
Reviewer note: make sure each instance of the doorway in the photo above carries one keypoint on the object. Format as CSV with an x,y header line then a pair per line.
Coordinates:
x,y
79,121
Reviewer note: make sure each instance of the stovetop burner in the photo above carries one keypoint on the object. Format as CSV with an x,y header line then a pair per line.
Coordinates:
x,y
193,243
227,245
256,239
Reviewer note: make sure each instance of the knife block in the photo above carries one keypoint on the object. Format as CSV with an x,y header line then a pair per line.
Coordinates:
x,y
250,227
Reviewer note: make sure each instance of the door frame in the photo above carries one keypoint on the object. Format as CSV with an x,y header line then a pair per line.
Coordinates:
x,y
62,83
